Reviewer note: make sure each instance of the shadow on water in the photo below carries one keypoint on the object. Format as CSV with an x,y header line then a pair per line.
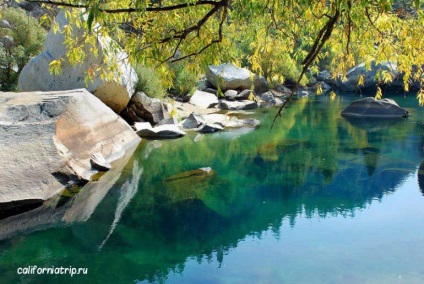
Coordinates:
x,y
136,226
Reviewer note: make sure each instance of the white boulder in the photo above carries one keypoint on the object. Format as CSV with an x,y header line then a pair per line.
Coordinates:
x,y
36,75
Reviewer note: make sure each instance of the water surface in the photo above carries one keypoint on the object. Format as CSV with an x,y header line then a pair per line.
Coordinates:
x,y
317,200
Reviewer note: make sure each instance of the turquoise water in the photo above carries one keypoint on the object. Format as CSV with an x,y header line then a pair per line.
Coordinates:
x,y
317,200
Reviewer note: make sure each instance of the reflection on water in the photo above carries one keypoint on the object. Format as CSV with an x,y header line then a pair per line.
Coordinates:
x,y
135,226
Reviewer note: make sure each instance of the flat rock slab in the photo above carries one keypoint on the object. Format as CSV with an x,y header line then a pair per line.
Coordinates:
x,y
238,105
371,108
47,141
203,99
166,131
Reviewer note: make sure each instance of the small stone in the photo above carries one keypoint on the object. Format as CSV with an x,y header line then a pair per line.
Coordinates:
x,y
98,162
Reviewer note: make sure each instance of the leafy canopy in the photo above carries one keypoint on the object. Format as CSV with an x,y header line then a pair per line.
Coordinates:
x,y
260,33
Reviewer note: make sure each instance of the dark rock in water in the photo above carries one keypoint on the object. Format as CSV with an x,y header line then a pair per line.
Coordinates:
x,y
99,162
198,175
371,108
210,128
421,177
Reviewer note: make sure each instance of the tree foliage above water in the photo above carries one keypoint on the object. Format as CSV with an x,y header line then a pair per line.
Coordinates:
x,y
267,35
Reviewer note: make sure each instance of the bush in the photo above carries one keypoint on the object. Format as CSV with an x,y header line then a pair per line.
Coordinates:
x,y
184,80
28,38
149,82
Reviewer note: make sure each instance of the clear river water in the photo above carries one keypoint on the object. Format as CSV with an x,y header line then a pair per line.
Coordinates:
x,y
318,199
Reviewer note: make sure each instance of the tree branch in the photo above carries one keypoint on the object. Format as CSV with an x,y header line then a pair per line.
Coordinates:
x,y
128,10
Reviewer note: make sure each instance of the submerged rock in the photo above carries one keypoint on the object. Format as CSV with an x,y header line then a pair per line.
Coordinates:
x,y
371,108
197,175
47,141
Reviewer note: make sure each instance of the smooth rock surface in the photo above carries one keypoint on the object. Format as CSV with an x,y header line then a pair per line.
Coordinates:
x,y
203,99
227,76
36,76
165,131
371,108
238,105
47,140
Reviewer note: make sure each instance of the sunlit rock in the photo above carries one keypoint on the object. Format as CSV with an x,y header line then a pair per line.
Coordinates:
x,y
36,75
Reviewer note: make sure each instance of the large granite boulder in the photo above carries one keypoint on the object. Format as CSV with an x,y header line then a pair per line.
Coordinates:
x,y
47,141
116,94
203,99
229,77
350,84
371,108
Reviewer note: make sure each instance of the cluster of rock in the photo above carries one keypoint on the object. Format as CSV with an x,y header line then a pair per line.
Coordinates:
x,y
208,123
233,88
371,78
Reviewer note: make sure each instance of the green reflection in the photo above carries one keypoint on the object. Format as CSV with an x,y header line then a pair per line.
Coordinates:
x,y
313,163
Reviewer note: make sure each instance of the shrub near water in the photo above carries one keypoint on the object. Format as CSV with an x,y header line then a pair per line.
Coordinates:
x,y
149,82
28,38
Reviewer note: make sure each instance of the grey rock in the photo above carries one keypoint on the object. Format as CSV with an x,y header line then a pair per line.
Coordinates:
x,y
47,140
227,76
7,41
203,99
370,76
244,95
231,95
116,94
194,120
324,75
172,121
5,24
269,98
371,108
260,84
99,162
238,105
212,91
